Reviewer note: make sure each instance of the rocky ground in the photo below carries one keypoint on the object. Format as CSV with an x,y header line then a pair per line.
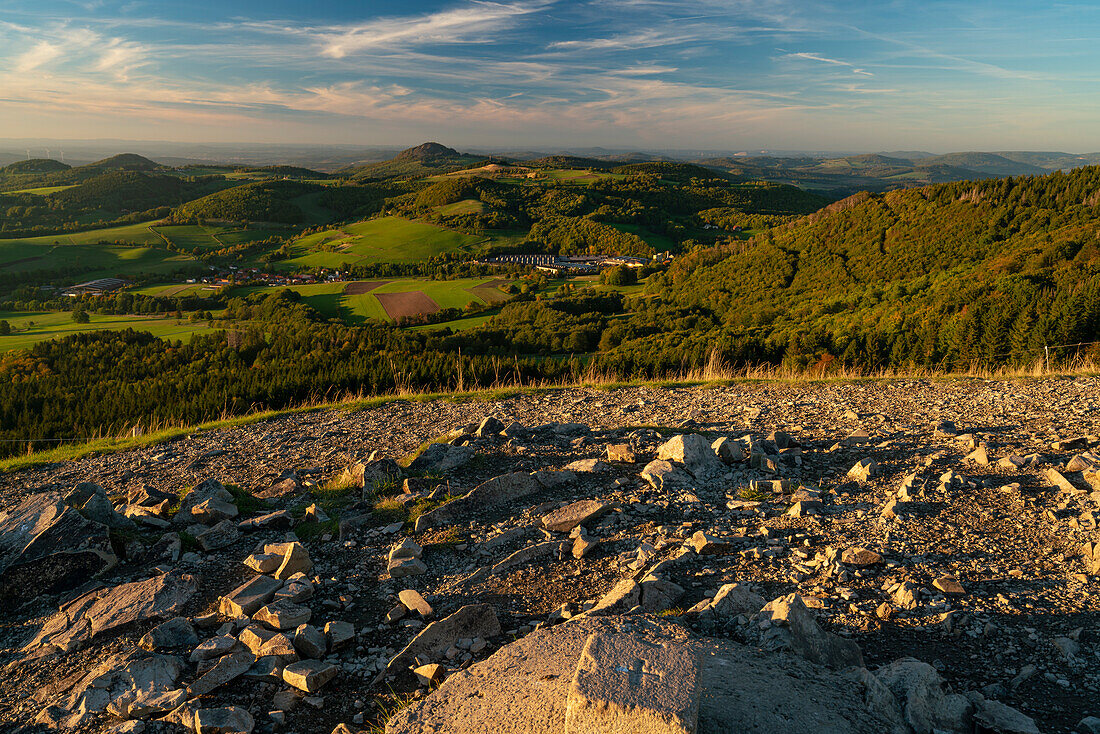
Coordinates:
x,y
291,575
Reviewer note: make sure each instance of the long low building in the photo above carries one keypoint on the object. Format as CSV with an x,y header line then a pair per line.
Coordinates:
x,y
95,287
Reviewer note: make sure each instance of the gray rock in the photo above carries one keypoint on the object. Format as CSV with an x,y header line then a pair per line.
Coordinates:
x,y
47,547
309,675
566,518
997,717
624,684
200,493
662,474
222,535
176,632
472,620
734,599
864,469
226,720
793,627
228,667
659,595
441,458
692,451
214,510
919,690
414,602
99,509
247,598
106,609
489,427
282,615
310,642
491,493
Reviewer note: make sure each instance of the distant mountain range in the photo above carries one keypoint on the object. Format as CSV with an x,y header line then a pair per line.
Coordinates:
x,y
832,175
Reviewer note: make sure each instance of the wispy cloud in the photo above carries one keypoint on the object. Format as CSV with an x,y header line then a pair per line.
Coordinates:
x,y
468,24
826,60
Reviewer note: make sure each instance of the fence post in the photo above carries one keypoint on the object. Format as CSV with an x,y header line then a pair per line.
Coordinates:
x,y
1046,351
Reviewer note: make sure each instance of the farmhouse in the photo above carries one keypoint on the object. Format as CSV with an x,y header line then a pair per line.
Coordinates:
x,y
95,287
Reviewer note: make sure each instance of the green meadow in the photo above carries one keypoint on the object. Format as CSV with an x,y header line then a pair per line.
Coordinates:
x,y
386,239
332,300
32,328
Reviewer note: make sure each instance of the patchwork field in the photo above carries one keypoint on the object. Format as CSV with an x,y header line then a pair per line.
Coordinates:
x,y
179,290
93,261
32,328
388,300
386,239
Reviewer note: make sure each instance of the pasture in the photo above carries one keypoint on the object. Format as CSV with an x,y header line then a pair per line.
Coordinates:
x,y
386,300
386,239
30,328
41,190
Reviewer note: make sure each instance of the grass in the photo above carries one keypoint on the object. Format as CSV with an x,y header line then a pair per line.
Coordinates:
x,y
381,240
245,502
749,494
41,190
331,300
142,252
336,494
179,290
714,374
313,529
30,328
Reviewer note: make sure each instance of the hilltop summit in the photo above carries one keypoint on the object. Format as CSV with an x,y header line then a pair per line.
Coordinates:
x,y
125,162
426,152
36,165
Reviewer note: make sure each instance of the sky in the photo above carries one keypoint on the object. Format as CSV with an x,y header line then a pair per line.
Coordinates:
x,y
541,74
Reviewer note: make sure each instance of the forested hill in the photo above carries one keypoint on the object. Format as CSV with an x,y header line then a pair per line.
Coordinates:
x,y
954,274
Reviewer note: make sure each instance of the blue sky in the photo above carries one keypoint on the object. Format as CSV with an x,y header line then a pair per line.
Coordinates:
x,y
689,74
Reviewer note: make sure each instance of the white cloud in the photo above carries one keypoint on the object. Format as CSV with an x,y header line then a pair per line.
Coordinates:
x,y
39,55
473,23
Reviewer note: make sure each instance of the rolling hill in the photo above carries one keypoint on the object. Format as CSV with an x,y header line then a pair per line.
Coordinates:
x,y
956,274
426,159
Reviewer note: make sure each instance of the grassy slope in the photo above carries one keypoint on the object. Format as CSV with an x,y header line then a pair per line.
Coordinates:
x,y
54,325
330,300
387,239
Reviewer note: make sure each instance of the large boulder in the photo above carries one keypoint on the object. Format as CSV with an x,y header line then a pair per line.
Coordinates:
x,y
440,458
473,620
193,505
127,684
106,609
692,451
793,627
491,493
47,547
533,684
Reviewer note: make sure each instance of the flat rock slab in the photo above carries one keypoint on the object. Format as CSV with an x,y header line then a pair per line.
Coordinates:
x,y
46,547
496,491
566,518
247,598
524,688
472,620
625,684
106,609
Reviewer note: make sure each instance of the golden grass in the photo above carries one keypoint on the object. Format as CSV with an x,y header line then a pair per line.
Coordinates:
x,y
715,372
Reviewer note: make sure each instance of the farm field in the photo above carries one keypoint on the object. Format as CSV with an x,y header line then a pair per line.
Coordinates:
x,y
386,239
94,261
41,190
179,290
562,175
355,301
34,327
